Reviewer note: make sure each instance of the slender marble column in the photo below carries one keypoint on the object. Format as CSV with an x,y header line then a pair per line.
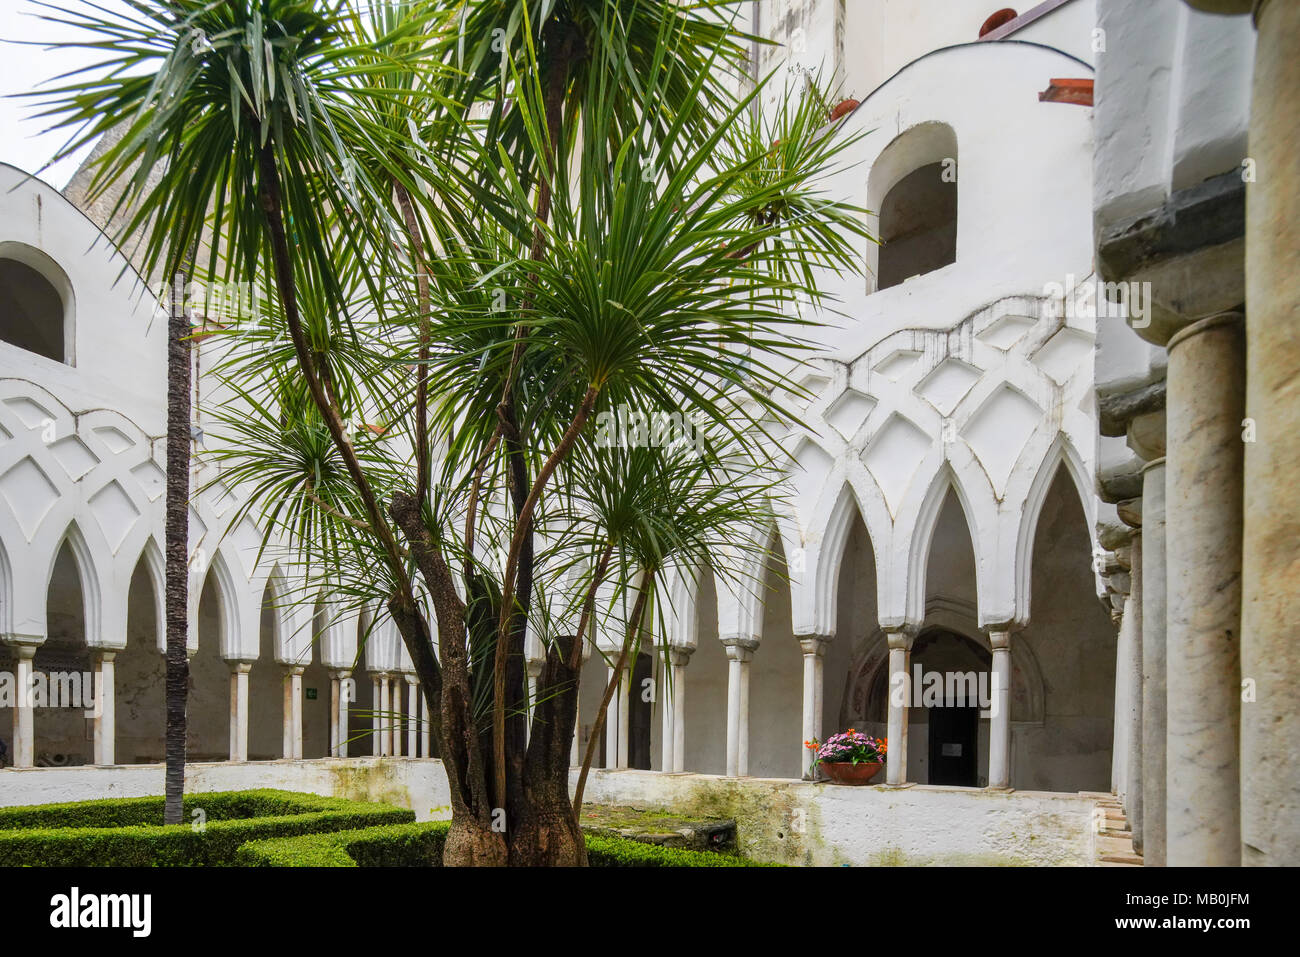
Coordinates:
x,y
412,718
1135,804
1000,710
24,725
292,720
239,709
376,719
341,696
664,696
814,651
1270,651
1154,701
1203,538
426,727
681,656
334,714
386,716
740,652
534,669
624,714
286,714
105,725
395,717
900,699
611,724
295,685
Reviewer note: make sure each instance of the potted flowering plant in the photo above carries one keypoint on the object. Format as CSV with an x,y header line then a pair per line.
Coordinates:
x,y
850,757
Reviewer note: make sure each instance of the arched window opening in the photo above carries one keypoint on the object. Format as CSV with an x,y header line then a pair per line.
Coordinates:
x,y
32,311
918,225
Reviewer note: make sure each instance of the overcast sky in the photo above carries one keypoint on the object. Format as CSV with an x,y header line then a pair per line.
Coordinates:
x,y
24,68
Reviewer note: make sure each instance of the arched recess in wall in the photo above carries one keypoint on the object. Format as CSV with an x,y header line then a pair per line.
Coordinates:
x,y
776,678
857,621
140,672
208,711
706,686
315,704
266,682
36,303
61,730
912,191
361,718
1071,635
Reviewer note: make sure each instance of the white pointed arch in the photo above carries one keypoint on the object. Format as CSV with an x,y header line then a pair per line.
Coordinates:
x,y
1060,453
155,566
922,537
232,612
89,572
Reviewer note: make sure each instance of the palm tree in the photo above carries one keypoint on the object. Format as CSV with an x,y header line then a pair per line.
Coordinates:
x,y
604,227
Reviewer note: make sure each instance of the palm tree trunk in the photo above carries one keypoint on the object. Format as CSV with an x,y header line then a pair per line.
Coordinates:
x,y
177,547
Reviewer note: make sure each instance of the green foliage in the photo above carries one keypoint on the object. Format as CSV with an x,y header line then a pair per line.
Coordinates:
x,y
420,845
123,832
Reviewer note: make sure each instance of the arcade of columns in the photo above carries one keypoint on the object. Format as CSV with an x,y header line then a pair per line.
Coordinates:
x,y
1208,660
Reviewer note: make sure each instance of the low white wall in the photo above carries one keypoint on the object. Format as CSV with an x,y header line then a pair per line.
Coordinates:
x,y
793,822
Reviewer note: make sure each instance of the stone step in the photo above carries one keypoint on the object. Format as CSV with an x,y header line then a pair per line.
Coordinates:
x,y
1129,858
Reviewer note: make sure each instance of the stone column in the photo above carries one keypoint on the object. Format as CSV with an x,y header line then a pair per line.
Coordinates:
x,y
624,714
24,723
664,696
341,696
680,658
1134,805
534,667
426,728
293,712
334,714
105,725
412,718
611,724
1153,663
814,651
384,719
239,709
740,652
1000,709
900,699
1203,536
398,721
1270,651
376,719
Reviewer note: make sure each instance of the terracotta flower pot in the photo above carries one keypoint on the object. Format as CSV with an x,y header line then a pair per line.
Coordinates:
x,y
845,772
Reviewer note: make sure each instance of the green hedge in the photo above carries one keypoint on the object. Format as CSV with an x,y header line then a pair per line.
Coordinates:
x,y
420,845
124,833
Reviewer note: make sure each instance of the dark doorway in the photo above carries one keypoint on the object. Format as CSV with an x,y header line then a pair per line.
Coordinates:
x,y
953,734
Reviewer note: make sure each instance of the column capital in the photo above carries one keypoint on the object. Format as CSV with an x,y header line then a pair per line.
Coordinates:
x,y
1233,317
676,655
813,644
1000,639
294,670
105,654
740,651
240,667
901,636
533,666
340,673
24,650
738,645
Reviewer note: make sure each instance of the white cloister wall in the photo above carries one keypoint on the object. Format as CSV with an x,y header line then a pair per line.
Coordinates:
x,y
942,411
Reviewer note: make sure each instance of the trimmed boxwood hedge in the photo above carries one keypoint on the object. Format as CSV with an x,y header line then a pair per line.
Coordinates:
x,y
420,845
123,832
